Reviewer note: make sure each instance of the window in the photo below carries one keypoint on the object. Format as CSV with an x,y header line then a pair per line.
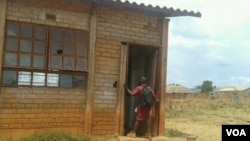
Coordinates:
x,y
36,55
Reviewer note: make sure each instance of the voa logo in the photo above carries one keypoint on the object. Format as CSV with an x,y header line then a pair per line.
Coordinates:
x,y
236,132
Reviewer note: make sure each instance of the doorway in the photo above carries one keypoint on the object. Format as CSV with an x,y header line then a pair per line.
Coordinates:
x,y
142,61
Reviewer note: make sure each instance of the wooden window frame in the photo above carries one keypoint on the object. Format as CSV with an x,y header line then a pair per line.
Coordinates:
x,y
74,70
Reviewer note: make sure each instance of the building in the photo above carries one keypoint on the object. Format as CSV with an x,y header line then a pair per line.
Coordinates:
x,y
177,92
231,92
64,63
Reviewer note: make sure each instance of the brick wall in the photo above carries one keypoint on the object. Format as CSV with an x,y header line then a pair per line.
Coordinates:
x,y
128,25
68,14
27,108
44,108
113,26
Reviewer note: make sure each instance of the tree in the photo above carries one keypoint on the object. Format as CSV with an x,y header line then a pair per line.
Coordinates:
x,y
207,86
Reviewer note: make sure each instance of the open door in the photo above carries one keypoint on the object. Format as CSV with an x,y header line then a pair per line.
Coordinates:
x,y
142,61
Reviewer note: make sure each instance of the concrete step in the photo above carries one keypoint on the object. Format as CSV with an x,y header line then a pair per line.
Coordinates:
x,y
159,138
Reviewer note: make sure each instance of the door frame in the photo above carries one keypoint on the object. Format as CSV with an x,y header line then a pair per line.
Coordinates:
x,y
124,56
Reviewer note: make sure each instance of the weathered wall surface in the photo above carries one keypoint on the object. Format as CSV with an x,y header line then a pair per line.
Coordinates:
x,y
64,109
113,26
68,14
43,108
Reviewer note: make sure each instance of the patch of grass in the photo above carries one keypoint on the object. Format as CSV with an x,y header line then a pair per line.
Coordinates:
x,y
5,139
60,136
203,118
175,133
191,107
50,136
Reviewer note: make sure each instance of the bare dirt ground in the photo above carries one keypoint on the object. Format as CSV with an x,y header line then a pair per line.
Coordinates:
x,y
203,118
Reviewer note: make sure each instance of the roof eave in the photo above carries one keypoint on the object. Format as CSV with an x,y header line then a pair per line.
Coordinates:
x,y
166,12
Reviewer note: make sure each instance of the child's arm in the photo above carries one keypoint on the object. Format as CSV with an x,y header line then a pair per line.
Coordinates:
x,y
127,89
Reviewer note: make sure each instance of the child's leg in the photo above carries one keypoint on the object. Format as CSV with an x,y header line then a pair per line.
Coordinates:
x,y
136,125
148,126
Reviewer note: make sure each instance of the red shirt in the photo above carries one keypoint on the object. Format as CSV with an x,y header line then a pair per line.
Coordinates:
x,y
142,113
138,89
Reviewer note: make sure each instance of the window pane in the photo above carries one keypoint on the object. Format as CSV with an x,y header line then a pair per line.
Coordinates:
x,y
82,51
38,61
25,60
66,81
69,49
11,44
69,63
25,46
56,48
24,78
56,35
79,81
56,62
26,31
69,36
39,47
9,77
40,33
38,79
10,59
12,29
52,80
81,64
81,37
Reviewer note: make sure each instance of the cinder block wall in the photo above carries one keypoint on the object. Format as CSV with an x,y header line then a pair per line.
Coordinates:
x,y
35,109
113,26
32,109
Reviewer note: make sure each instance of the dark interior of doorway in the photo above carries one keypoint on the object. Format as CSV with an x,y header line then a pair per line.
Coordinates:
x,y
142,61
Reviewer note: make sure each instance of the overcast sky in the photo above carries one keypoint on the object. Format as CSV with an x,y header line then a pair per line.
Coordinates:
x,y
215,47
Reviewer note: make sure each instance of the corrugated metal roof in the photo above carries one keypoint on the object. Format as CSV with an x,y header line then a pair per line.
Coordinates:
x,y
166,11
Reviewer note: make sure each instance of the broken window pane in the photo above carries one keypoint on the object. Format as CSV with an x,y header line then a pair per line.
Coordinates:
x,y
52,80
24,78
25,60
11,44
9,77
78,81
10,59
49,49
12,29
66,81
25,46
38,79
56,48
